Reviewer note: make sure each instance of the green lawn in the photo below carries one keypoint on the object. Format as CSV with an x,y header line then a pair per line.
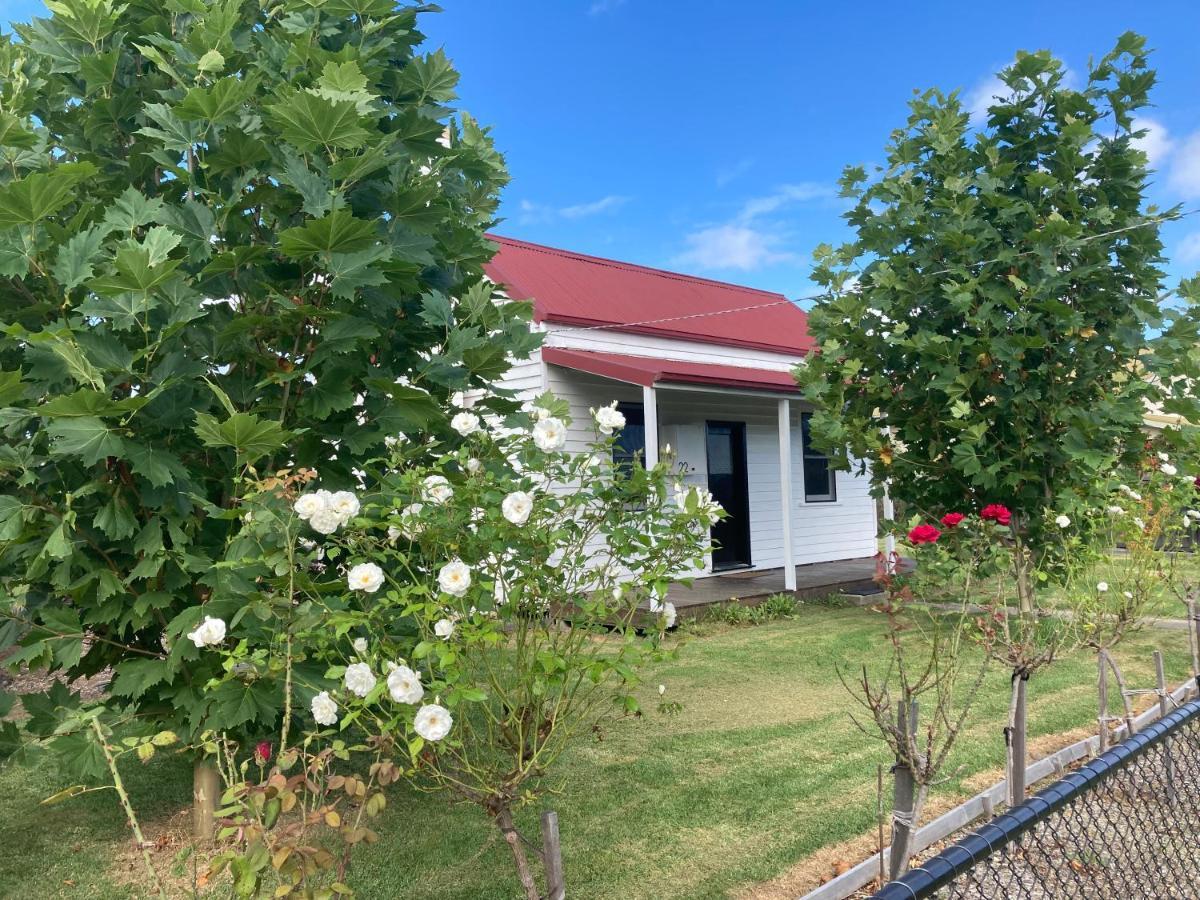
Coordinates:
x,y
762,768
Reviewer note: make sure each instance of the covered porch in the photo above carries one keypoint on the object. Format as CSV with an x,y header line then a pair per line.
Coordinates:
x,y
741,432
855,576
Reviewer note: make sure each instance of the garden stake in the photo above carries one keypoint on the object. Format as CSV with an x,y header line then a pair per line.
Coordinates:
x,y
556,888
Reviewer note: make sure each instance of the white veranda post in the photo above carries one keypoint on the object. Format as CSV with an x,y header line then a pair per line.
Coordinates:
x,y
785,492
650,411
889,514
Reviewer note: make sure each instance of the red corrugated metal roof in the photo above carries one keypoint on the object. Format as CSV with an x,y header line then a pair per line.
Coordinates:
x,y
647,371
574,289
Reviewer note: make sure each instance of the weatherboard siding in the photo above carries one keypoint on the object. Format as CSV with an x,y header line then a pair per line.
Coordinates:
x,y
845,529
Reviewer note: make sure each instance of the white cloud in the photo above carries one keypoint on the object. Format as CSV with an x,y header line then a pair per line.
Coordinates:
x,y
1156,143
751,239
583,210
1184,175
730,246
1188,250
600,7
783,196
537,213
733,172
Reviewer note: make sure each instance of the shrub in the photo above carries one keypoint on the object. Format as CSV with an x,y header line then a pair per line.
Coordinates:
x,y
235,238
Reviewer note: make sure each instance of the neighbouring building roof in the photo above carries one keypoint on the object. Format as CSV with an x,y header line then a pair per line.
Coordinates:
x,y
649,371
574,289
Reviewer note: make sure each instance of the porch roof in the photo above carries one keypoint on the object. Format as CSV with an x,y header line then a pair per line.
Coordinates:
x,y
648,371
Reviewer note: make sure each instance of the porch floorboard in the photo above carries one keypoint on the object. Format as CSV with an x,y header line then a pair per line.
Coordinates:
x,y
750,588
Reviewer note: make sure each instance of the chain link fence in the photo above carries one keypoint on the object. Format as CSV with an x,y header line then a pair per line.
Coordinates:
x,y
1125,825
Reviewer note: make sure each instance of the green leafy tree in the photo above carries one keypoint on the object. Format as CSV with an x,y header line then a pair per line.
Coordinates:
x,y
985,341
235,238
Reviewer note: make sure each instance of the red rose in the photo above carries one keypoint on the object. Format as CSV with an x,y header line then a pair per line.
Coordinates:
x,y
997,513
924,534
951,519
262,752
1196,482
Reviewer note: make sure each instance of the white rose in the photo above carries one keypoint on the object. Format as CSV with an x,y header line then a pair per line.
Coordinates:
x,y
1162,456
1062,521
1139,523
1116,511
360,645
394,534
1168,469
345,505
666,609
465,423
549,434
410,519
324,709
455,577
516,507
308,504
325,521
433,722
437,489
208,633
366,577
608,418
474,466
1102,587
405,685
359,679
443,628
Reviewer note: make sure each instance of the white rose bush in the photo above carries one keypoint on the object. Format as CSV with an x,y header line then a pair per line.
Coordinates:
x,y
489,597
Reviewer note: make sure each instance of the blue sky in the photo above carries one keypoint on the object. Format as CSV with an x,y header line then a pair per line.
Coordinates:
x,y
706,136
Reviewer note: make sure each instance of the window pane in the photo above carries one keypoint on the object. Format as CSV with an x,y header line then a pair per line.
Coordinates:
x,y
631,440
819,486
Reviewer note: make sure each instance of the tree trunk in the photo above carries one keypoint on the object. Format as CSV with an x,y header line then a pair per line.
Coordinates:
x,y
1016,733
905,807
504,820
206,790
1021,569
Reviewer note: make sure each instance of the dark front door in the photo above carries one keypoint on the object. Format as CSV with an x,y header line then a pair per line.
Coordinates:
x,y
726,442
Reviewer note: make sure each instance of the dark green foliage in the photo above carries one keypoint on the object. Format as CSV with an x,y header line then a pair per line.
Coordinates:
x,y
1009,282
232,235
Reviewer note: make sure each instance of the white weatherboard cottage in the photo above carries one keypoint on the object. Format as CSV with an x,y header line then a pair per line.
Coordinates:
x,y
704,367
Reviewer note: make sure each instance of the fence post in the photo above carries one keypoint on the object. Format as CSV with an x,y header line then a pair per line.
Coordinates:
x,y
903,794
556,888
1102,689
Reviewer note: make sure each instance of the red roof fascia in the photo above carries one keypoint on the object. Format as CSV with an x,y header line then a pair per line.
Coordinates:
x,y
648,372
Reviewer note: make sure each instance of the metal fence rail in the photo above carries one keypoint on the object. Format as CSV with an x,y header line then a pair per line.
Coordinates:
x,y
1125,825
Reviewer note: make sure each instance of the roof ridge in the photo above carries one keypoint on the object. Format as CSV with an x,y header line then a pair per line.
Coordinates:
x,y
619,264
